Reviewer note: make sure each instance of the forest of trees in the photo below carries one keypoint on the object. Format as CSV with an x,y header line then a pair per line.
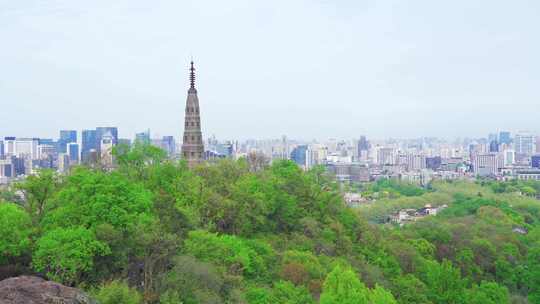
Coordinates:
x,y
154,231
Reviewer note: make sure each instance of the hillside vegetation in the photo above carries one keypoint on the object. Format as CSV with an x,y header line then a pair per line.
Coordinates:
x,y
154,231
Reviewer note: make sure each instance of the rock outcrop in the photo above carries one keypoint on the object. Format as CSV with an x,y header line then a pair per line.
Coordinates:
x,y
34,290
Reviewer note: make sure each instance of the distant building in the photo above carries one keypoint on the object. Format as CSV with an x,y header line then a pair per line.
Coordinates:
x,y
493,146
386,156
433,163
7,169
9,146
525,144
66,137
532,174
298,155
509,157
63,162
504,137
143,138
107,144
363,148
535,161
110,132
416,162
89,143
73,153
169,145
1,149
486,164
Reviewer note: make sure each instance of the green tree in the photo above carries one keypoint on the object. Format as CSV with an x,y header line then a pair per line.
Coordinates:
x,y
410,290
379,295
117,292
286,293
65,254
488,293
192,282
15,229
90,198
342,286
38,190
444,282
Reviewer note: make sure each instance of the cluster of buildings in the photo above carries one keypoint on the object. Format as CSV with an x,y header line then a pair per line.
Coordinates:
x,y
405,216
497,156
20,157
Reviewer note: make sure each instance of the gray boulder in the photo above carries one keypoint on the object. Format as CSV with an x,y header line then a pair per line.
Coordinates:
x,y
35,290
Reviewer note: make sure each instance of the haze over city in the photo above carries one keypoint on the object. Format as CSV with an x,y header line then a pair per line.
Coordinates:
x,y
307,69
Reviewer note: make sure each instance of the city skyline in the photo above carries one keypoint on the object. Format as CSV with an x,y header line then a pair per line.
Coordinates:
x,y
381,69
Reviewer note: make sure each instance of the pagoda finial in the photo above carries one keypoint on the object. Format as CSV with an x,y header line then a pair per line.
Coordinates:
x,y
192,75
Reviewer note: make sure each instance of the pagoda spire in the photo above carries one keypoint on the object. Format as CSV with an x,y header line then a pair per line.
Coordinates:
x,y
192,75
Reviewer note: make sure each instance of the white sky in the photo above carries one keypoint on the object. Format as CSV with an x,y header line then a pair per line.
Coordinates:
x,y
304,68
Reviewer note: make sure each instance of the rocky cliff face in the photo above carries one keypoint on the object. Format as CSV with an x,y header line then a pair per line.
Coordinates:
x,y
34,290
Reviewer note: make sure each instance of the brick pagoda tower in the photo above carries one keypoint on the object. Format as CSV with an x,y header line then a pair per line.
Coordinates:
x,y
192,145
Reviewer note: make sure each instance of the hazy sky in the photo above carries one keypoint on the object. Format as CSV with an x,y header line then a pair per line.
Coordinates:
x,y
307,68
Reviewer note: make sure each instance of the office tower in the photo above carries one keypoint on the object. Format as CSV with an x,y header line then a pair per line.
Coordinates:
x,y
9,146
89,143
143,137
525,144
298,155
1,149
363,144
493,146
386,156
504,137
169,145
509,157
192,145
63,162
486,164
7,170
416,162
26,148
433,163
535,161
106,145
73,152
110,132
66,137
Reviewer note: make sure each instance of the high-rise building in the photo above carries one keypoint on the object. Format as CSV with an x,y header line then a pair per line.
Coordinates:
x,y
525,144
386,156
110,132
66,137
89,143
493,146
433,163
26,148
192,145
1,149
509,157
106,154
363,144
73,152
169,145
143,137
9,146
299,155
487,164
504,137
535,161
